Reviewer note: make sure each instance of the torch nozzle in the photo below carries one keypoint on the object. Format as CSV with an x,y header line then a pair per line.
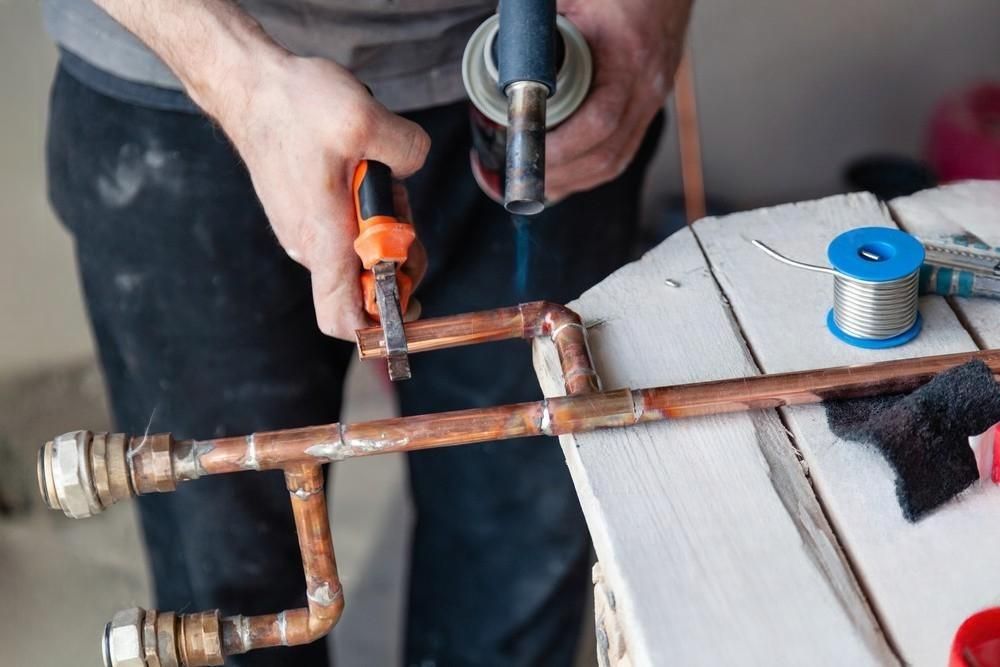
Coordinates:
x,y
524,192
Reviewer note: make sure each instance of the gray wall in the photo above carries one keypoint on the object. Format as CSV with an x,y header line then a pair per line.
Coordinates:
x,y
41,319
791,90
788,92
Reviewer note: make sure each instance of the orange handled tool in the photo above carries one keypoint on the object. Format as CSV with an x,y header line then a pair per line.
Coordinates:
x,y
383,242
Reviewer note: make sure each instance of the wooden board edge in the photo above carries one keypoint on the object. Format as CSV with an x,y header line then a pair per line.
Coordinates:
x,y
789,478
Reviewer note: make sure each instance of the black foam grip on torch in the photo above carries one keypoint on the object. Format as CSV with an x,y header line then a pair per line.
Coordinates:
x,y
526,43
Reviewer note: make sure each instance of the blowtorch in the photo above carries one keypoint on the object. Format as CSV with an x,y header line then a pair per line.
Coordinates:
x,y
526,70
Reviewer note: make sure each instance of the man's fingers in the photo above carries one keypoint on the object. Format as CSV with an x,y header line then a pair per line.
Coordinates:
x,y
397,142
336,283
333,294
604,161
594,122
327,241
413,312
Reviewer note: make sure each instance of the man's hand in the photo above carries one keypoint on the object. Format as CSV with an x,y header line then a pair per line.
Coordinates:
x,y
636,45
302,133
301,125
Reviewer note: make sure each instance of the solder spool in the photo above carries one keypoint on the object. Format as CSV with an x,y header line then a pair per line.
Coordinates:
x,y
876,273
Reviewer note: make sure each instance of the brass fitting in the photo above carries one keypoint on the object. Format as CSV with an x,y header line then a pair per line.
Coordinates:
x,y
83,473
151,460
200,639
139,638
123,639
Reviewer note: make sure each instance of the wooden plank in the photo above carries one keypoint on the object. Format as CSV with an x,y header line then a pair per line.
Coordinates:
x,y
612,651
922,579
707,530
972,206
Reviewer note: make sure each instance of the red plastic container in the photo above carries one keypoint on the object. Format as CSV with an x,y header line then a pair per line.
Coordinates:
x,y
964,135
977,642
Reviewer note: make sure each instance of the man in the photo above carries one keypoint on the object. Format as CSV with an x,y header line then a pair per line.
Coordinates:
x,y
201,151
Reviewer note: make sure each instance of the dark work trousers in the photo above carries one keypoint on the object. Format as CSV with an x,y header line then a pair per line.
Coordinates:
x,y
205,328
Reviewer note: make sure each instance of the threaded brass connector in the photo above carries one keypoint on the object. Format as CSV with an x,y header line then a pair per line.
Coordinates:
x,y
83,473
148,638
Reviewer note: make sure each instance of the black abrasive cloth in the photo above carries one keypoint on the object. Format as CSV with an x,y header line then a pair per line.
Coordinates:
x,y
924,435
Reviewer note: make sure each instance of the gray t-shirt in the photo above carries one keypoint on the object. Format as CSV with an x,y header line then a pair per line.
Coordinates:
x,y
408,52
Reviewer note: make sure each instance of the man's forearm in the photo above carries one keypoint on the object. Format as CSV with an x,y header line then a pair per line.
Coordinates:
x,y
210,45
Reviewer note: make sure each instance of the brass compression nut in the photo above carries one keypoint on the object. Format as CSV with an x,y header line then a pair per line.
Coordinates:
x,y
159,639
83,473
148,638
151,457
201,639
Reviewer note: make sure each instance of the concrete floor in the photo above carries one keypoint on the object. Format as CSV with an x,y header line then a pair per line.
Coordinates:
x,y
63,579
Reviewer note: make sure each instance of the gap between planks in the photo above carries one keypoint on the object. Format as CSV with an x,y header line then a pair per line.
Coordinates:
x,y
826,525
924,578
795,500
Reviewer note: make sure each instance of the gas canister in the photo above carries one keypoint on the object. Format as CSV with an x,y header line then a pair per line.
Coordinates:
x,y
488,108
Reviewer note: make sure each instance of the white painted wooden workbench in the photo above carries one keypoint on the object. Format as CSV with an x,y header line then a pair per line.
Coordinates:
x,y
761,538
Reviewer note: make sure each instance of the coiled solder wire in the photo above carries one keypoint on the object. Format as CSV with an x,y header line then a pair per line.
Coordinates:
x,y
863,309
875,309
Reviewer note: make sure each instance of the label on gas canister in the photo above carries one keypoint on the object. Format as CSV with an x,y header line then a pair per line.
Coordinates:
x,y
489,154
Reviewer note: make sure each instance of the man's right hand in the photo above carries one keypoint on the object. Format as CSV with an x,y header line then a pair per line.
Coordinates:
x,y
302,132
300,124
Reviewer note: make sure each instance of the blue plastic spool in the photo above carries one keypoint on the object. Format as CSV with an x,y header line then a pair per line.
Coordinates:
x,y
875,254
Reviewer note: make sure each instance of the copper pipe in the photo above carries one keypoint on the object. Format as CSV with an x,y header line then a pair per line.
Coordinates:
x,y
155,463
528,320
451,331
554,416
688,139
802,387
324,594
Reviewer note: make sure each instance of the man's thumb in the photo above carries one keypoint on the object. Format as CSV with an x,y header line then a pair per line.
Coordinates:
x,y
399,143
